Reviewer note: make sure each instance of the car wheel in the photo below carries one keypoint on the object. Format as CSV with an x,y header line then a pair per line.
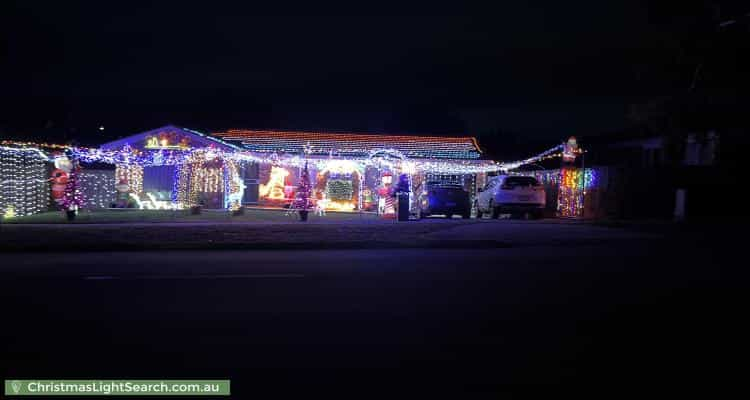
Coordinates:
x,y
479,212
466,215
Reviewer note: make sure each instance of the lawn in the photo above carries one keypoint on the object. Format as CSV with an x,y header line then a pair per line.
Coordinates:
x,y
146,216
107,230
256,229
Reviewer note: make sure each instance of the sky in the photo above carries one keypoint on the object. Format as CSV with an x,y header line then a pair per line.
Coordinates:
x,y
537,70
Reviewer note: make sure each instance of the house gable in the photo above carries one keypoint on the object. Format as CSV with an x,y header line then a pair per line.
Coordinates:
x,y
169,137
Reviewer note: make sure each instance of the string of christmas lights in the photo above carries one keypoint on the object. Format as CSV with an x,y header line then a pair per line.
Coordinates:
x,y
193,177
128,155
571,196
552,177
132,174
22,144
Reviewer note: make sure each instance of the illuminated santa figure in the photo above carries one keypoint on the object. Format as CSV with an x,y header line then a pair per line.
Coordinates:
x,y
59,182
570,150
60,177
385,200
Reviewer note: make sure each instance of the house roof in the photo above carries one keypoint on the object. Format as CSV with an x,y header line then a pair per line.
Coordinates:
x,y
352,144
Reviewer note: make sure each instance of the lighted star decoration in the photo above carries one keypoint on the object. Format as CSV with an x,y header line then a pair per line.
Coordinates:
x,y
307,148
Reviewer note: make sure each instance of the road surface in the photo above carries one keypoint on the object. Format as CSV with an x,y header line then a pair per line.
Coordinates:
x,y
425,321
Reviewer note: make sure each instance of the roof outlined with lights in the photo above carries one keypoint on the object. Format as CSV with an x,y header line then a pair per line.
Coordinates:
x,y
351,144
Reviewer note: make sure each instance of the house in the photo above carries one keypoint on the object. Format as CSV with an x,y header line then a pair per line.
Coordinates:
x,y
260,167
657,176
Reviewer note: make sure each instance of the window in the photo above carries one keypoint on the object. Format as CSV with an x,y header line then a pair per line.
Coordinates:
x,y
519,181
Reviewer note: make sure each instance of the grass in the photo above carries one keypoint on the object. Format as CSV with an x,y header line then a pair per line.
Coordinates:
x,y
155,216
257,229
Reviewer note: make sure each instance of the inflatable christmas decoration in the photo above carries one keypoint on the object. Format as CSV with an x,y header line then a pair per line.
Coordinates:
x,y
60,177
63,162
385,200
59,181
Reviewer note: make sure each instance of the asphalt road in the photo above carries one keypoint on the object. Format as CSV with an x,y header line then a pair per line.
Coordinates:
x,y
365,321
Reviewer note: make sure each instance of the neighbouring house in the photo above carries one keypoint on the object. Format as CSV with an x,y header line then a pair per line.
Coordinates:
x,y
661,176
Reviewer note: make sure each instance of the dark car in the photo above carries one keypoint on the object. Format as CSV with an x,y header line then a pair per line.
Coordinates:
x,y
444,199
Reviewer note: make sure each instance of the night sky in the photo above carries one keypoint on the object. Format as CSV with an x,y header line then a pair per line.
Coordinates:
x,y
529,72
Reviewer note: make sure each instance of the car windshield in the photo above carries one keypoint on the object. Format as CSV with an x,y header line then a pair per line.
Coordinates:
x,y
515,181
442,186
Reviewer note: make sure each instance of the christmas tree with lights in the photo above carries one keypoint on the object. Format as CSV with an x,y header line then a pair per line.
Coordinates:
x,y
303,199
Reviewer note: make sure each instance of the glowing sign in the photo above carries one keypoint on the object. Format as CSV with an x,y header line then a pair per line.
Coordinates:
x,y
166,142
339,205
154,204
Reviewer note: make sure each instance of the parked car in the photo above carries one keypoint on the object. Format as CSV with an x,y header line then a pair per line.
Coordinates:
x,y
445,199
504,194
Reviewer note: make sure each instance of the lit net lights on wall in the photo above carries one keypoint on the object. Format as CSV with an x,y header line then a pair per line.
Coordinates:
x,y
24,188
339,189
571,195
573,185
98,188
340,185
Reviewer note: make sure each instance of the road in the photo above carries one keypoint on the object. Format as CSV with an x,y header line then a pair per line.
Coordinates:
x,y
427,321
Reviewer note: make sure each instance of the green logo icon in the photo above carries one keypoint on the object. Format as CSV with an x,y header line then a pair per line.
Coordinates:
x,y
16,385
